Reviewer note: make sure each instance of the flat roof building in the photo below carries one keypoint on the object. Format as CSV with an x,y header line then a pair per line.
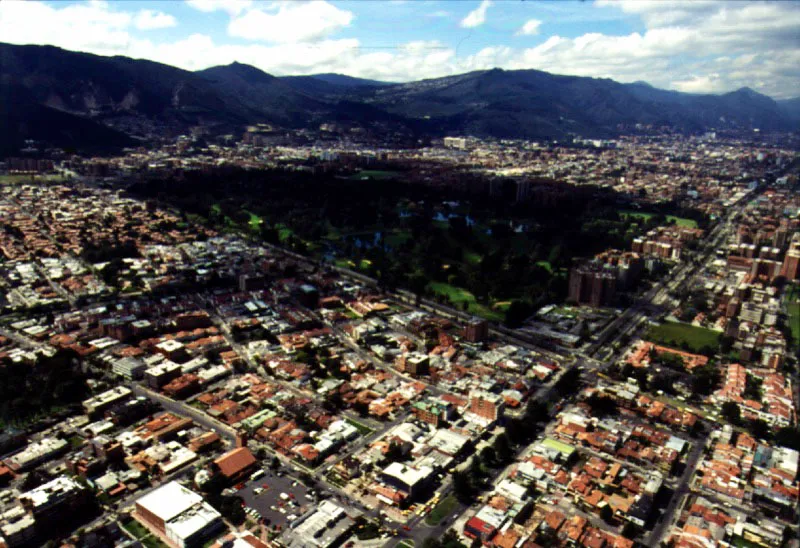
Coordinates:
x,y
324,528
103,401
178,515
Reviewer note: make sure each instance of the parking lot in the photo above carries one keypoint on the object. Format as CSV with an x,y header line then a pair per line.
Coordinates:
x,y
276,498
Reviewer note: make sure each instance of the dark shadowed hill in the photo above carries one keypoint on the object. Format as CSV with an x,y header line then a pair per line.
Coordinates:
x,y
85,94
791,107
22,118
530,103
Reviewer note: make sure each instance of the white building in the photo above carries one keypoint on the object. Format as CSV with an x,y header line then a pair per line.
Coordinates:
x,y
179,515
103,401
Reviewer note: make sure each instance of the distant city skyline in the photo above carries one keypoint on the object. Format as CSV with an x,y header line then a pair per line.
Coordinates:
x,y
698,46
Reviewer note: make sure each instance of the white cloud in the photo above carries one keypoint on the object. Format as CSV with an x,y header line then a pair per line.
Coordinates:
x,y
530,28
290,22
476,17
695,46
151,20
438,13
89,27
233,7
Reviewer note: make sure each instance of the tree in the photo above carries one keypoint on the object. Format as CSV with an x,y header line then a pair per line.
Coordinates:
x,y
726,344
788,436
502,448
731,412
606,513
664,382
704,380
601,406
488,456
462,487
517,313
536,411
568,383
275,463
759,429
395,453
231,509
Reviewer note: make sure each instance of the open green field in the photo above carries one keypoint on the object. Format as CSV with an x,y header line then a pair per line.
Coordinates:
x,y
680,221
15,179
675,333
457,296
442,510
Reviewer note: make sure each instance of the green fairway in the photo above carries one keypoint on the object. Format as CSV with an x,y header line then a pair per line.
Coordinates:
x,y
675,333
680,221
457,296
442,510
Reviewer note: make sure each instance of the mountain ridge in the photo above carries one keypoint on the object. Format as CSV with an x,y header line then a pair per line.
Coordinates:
x,y
146,99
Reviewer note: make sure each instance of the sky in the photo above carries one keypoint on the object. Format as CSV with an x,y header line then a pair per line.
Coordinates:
x,y
698,46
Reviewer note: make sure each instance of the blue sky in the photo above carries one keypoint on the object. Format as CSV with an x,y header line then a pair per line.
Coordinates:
x,y
701,46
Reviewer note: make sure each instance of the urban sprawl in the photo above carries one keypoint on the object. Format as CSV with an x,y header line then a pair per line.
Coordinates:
x,y
199,387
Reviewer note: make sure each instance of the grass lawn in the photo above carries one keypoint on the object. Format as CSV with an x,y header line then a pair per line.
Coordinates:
x,y
457,295
136,529
362,429
75,441
741,542
153,542
680,221
794,320
334,478
674,333
442,510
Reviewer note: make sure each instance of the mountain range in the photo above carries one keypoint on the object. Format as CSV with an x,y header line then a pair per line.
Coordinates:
x,y
89,102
